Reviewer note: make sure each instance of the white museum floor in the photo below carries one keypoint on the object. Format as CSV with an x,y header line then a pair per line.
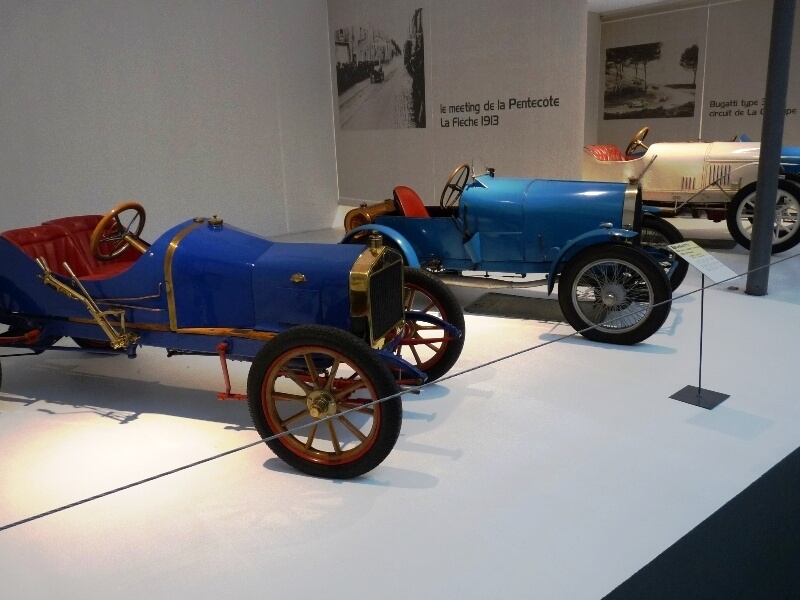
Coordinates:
x,y
555,474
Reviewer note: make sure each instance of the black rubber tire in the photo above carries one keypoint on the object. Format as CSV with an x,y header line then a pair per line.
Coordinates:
x,y
88,344
439,300
740,211
793,178
659,233
292,351
614,269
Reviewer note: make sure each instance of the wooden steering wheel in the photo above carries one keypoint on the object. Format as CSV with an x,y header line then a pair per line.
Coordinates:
x,y
111,237
454,187
636,141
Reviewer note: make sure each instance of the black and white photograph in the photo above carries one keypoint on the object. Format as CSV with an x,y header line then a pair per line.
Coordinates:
x,y
656,80
380,71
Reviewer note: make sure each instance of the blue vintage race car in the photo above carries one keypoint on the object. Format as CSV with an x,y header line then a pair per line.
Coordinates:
x,y
326,326
612,287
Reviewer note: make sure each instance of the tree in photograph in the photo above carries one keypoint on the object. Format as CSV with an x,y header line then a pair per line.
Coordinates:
x,y
643,54
615,60
634,62
689,61
414,59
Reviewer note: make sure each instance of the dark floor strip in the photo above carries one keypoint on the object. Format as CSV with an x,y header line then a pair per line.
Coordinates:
x,y
748,549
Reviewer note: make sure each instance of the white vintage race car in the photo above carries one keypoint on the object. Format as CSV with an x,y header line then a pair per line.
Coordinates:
x,y
717,179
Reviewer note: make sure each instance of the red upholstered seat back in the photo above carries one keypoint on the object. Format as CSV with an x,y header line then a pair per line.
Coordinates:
x,y
52,243
80,229
410,202
606,152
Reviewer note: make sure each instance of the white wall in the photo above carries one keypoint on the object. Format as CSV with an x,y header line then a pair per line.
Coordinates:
x,y
204,107
475,52
593,79
188,106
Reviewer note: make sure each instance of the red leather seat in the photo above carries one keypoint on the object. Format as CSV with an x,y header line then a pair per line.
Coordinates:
x,y
606,152
80,229
52,243
410,203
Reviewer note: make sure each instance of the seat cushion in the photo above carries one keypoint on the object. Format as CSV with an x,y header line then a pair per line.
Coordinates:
x,y
606,152
80,229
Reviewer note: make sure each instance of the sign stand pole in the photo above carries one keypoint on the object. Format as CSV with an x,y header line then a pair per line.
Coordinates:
x,y
690,394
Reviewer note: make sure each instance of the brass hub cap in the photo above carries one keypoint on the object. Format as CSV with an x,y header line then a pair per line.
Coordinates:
x,y
321,404
612,294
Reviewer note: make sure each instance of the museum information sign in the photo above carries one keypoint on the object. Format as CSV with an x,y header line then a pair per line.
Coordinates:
x,y
703,261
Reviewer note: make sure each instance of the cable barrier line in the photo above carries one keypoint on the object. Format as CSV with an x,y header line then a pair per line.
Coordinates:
x,y
407,390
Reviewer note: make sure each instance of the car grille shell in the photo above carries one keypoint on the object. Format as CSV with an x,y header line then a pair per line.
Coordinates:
x,y
376,292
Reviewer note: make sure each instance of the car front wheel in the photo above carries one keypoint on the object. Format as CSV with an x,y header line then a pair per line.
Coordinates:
x,y
614,294
786,226
317,388
429,347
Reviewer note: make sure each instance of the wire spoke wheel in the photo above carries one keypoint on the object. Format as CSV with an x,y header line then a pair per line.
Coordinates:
x,y
614,295
618,291
317,388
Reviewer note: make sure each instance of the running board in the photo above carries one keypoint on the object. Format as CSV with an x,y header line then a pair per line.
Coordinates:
x,y
488,283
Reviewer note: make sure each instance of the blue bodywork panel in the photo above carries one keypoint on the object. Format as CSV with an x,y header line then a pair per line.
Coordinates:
x,y
220,277
530,220
790,159
402,244
215,288
428,237
322,298
514,225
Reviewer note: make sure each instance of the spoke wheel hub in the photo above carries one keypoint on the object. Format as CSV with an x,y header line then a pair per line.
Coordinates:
x,y
321,404
612,294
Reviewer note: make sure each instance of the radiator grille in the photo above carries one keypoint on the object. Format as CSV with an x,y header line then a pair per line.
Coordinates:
x,y
687,184
386,296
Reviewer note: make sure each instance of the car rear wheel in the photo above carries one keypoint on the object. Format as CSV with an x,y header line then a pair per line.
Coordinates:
x,y
429,347
656,235
318,388
615,294
88,344
786,226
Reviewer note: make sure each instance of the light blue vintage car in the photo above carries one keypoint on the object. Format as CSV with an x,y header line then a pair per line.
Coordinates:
x,y
584,235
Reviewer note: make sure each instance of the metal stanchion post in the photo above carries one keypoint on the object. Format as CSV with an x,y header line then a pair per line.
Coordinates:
x,y
702,261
